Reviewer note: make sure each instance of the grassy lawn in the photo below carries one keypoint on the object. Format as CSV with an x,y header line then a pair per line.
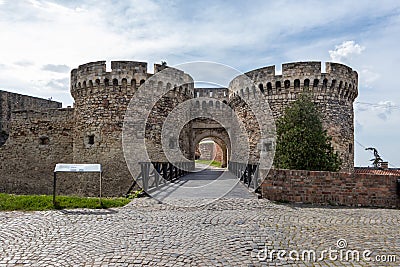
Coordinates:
x,y
45,202
209,162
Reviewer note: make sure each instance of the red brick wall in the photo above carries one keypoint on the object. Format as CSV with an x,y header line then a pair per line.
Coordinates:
x,y
218,153
340,188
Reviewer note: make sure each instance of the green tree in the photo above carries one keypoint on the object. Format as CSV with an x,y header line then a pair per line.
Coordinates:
x,y
302,143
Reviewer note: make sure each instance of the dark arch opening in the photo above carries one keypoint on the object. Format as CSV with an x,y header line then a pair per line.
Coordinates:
x,y
297,83
306,83
278,85
261,86
287,84
315,83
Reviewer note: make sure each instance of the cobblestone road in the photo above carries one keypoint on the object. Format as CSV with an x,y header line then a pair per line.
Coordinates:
x,y
228,232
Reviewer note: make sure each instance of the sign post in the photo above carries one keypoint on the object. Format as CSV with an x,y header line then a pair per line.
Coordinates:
x,y
75,168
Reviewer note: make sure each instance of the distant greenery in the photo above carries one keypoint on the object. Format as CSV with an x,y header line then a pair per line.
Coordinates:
x,y
45,202
302,143
209,162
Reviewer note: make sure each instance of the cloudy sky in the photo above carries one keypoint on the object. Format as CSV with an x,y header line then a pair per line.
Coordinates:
x,y
41,41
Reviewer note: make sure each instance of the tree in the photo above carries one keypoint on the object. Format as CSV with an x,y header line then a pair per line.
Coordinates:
x,y
302,143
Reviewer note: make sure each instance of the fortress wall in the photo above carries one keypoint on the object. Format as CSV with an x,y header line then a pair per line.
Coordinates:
x,y
38,140
334,93
10,102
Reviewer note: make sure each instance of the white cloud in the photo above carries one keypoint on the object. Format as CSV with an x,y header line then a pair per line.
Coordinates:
x,y
368,77
56,68
345,51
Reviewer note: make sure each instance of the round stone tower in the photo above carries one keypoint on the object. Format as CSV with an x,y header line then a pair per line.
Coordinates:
x,y
101,99
333,91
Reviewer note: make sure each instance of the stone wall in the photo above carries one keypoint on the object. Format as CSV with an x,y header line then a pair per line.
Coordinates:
x,y
334,93
38,140
10,102
338,188
101,100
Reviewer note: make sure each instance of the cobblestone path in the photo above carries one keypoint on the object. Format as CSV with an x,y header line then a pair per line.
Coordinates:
x,y
227,232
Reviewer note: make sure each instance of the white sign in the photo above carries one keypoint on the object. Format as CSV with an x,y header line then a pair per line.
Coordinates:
x,y
77,168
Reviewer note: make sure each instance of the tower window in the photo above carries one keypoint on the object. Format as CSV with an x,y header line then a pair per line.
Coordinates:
x,y
350,148
91,139
44,140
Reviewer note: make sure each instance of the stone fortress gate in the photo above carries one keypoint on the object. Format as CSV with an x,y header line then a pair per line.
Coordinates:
x,y
91,131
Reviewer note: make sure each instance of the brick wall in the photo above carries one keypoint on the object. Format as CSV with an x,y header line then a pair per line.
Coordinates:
x,y
339,188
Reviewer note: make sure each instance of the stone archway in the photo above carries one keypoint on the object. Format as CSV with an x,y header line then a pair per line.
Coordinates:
x,y
215,132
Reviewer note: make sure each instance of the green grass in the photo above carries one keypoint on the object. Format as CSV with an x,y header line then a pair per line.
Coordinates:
x,y
45,202
209,162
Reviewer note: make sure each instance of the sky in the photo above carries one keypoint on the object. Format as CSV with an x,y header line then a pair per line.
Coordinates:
x,y
42,40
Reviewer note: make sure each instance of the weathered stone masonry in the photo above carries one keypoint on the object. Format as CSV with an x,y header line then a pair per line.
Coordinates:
x,y
334,93
10,102
91,132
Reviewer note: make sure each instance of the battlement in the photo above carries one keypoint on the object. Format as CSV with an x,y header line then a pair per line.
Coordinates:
x,y
339,81
49,114
94,74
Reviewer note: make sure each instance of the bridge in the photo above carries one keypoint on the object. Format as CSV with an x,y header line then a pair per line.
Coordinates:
x,y
170,183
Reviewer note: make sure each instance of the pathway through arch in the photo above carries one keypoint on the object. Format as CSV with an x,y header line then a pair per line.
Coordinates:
x,y
206,183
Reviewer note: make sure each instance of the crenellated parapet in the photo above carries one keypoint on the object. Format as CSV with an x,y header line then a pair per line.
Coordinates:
x,y
339,81
125,77
93,77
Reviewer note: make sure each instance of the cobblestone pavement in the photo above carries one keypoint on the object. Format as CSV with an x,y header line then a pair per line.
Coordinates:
x,y
227,232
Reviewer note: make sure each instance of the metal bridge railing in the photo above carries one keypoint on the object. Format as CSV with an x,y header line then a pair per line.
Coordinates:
x,y
161,173
247,173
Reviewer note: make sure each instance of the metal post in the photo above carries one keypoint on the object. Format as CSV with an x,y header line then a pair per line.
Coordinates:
x,y
54,188
100,187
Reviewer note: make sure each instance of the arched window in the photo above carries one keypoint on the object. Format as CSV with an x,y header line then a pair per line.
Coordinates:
x,y
287,84
133,83
306,83
325,83
210,104
90,84
124,82
261,86
333,84
106,82
269,88
340,85
142,82
197,105
115,82
84,84
297,84
97,82
278,85
204,105
217,105
316,82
